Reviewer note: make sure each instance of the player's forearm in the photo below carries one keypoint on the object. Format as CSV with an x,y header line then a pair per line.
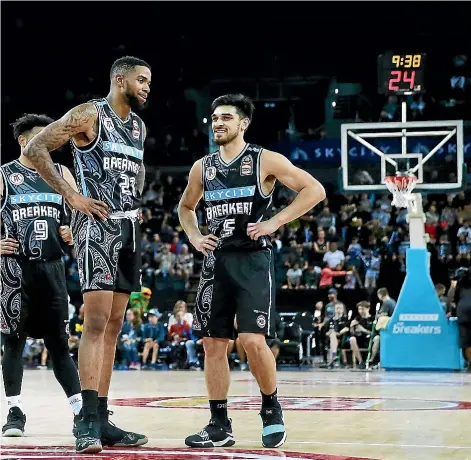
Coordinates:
x,y
189,222
39,156
307,198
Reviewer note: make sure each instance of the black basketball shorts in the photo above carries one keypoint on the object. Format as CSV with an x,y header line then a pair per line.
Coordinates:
x,y
464,329
108,253
234,284
34,298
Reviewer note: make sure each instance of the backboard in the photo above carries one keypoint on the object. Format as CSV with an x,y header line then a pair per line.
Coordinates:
x,y
432,150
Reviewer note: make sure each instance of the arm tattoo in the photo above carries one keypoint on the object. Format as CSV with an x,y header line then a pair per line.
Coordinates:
x,y
54,136
140,179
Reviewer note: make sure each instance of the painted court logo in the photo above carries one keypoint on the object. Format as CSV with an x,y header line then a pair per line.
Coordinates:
x,y
160,453
295,403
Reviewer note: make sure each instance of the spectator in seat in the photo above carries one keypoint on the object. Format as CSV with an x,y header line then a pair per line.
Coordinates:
x,y
354,253
184,263
153,336
294,276
372,265
327,220
320,247
165,262
386,310
337,332
180,305
129,339
361,329
334,257
328,275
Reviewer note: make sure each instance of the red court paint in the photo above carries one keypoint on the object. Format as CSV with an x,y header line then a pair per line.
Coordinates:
x,y
43,453
297,403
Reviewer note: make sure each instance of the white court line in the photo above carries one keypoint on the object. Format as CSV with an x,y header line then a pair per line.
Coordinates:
x,y
322,443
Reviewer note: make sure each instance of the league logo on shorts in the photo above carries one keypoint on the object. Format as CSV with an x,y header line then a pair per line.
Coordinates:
x,y
108,122
246,166
16,179
261,321
136,131
210,173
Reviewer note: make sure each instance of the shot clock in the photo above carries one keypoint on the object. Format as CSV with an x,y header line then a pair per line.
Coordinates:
x,y
401,73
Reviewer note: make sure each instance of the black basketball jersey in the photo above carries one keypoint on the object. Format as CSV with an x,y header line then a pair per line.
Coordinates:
x,y
233,197
32,212
106,170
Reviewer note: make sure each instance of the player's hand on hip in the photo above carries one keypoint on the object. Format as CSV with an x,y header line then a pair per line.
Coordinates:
x,y
205,243
89,206
254,231
66,234
140,218
8,246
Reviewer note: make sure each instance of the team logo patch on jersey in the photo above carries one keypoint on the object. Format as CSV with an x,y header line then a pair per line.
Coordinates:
x,y
210,173
16,178
261,321
246,166
136,131
108,122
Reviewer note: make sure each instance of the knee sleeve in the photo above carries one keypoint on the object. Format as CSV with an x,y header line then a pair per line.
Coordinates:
x,y
63,365
12,364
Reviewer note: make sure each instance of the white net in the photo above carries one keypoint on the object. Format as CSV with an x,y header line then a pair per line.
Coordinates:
x,y
401,187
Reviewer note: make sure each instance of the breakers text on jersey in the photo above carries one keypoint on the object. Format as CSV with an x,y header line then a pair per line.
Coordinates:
x,y
232,198
35,210
107,168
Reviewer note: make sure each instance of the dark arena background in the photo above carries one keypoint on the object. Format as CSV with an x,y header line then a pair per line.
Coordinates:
x,y
317,72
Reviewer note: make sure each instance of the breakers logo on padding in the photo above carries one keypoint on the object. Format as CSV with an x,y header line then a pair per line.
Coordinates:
x,y
401,328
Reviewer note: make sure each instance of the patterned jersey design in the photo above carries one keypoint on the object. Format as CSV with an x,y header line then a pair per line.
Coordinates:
x,y
10,294
32,212
233,197
106,170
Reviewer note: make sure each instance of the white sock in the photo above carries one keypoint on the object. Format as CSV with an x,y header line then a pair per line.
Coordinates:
x,y
75,402
14,401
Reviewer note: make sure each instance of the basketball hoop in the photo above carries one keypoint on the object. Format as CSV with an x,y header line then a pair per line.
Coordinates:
x,y
401,187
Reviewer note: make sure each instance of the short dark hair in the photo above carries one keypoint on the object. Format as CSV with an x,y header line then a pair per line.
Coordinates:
x,y
383,291
364,304
28,121
125,64
243,104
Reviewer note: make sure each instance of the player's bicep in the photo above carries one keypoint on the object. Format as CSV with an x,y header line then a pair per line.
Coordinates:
x,y
194,189
289,175
80,119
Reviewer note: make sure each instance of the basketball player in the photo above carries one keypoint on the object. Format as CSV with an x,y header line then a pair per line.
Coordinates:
x,y
34,300
237,277
107,139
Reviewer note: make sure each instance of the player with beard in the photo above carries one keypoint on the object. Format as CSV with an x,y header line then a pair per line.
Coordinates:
x,y
237,278
107,140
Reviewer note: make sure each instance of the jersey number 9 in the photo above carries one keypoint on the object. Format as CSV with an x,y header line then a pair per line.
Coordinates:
x,y
41,230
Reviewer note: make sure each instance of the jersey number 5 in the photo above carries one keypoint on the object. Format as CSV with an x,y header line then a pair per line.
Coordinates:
x,y
128,185
228,228
41,230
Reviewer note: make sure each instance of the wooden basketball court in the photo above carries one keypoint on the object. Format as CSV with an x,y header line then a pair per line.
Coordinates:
x,y
329,415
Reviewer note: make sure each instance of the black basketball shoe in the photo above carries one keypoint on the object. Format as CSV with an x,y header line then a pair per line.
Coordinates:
x,y
111,435
215,434
274,432
87,436
15,426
